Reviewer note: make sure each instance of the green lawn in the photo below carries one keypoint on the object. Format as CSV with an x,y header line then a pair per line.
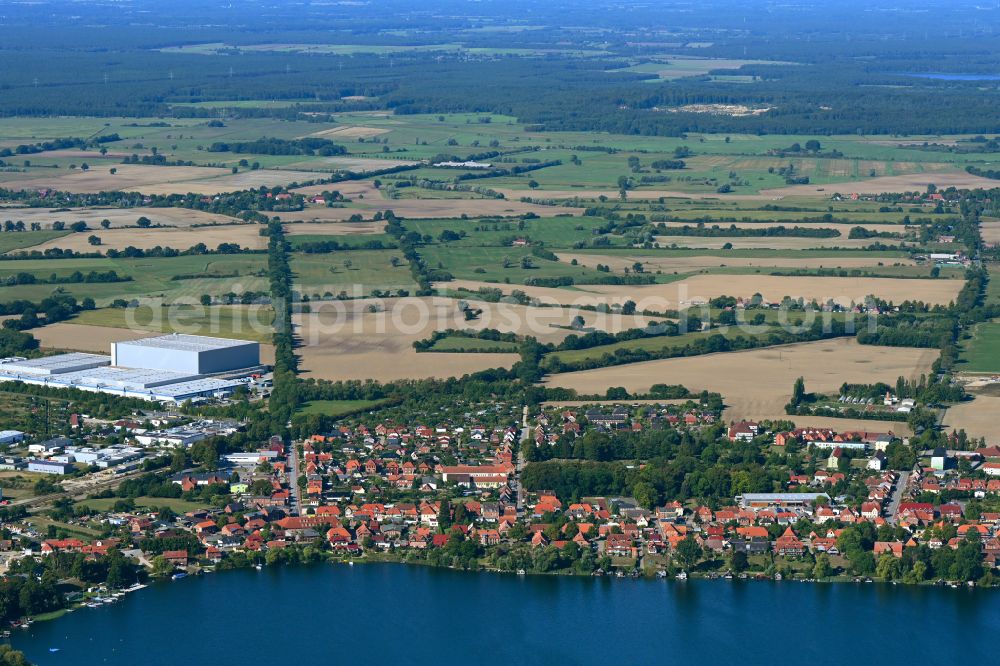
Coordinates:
x,y
338,407
655,344
239,322
177,505
344,271
151,277
982,352
16,240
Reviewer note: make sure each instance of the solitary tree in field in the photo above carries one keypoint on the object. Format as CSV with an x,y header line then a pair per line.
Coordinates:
x,y
94,240
105,223
144,222
799,391
112,171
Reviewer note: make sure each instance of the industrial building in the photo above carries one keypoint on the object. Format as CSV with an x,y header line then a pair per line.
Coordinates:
x,y
169,368
11,436
784,500
49,467
195,354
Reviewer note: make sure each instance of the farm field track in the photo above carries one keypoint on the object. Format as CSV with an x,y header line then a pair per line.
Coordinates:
x,y
246,235
978,418
700,288
757,383
884,184
763,242
119,217
683,264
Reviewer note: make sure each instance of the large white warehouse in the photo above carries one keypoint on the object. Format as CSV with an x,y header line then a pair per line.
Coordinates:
x,y
195,354
168,368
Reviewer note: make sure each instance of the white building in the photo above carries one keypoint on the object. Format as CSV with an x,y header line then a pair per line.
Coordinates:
x,y
194,354
49,467
169,368
11,436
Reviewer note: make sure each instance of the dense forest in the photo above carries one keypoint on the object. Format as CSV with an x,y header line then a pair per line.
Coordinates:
x,y
826,70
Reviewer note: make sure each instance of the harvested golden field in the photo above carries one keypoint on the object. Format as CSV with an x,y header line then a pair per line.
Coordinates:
x,y
352,189
698,289
762,243
84,337
345,341
421,208
130,177
97,339
119,217
246,235
757,383
978,418
230,182
989,227
619,262
774,288
883,184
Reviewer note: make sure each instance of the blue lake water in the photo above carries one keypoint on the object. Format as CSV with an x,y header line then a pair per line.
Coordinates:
x,y
384,613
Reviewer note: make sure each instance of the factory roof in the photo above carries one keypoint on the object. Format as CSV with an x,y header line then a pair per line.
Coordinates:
x,y
52,365
184,342
193,387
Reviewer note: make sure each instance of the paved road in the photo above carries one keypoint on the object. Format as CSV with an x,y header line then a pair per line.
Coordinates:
x,y
293,481
519,467
897,497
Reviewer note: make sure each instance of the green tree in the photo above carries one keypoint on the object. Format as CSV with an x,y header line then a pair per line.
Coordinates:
x,y
688,552
738,561
798,391
822,568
